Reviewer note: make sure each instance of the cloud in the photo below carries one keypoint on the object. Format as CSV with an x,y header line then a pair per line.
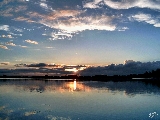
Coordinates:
x,y
69,26
68,22
73,25
36,49
3,47
4,2
36,65
9,11
44,68
44,5
20,65
50,117
31,41
15,34
60,35
74,68
22,46
18,30
55,15
130,67
141,17
6,36
30,113
18,60
123,29
34,71
4,27
20,8
6,12
128,61
10,43
93,4
4,63
21,18
124,4
49,47
55,66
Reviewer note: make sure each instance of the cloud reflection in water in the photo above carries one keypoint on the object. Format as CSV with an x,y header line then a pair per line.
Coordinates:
x,y
69,100
70,86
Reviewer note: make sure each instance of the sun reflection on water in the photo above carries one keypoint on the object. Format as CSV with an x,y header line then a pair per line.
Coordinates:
x,y
74,85
73,99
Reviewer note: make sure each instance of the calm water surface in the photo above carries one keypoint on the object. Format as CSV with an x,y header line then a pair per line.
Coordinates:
x,y
77,100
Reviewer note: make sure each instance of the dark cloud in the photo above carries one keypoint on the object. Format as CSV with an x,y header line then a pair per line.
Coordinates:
x,y
36,65
20,65
42,69
45,65
34,71
130,67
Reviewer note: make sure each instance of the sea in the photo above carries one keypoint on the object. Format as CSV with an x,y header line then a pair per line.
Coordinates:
x,y
32,99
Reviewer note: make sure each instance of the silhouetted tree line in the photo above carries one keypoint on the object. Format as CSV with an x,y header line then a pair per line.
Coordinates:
x,y
154,75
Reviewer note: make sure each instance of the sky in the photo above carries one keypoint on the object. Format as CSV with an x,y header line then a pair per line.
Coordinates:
x,y
55,34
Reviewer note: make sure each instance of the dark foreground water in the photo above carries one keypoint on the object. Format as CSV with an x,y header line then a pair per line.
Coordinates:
x,y
71,100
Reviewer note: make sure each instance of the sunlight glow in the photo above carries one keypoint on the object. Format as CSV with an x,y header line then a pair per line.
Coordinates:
x,y
72,69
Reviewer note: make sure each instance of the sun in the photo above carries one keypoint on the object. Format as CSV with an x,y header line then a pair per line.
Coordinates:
x,y
75,70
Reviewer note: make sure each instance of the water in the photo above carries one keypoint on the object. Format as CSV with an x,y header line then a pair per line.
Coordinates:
x,y
78,100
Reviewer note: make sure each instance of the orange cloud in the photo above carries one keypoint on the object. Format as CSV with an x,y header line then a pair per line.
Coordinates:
x,y
23,19
31,41
3,47
4,63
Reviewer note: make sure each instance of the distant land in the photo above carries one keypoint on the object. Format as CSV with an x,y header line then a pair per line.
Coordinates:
x,y
154,75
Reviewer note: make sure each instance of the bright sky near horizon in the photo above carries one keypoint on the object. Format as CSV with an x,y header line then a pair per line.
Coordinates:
x,y
94,32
